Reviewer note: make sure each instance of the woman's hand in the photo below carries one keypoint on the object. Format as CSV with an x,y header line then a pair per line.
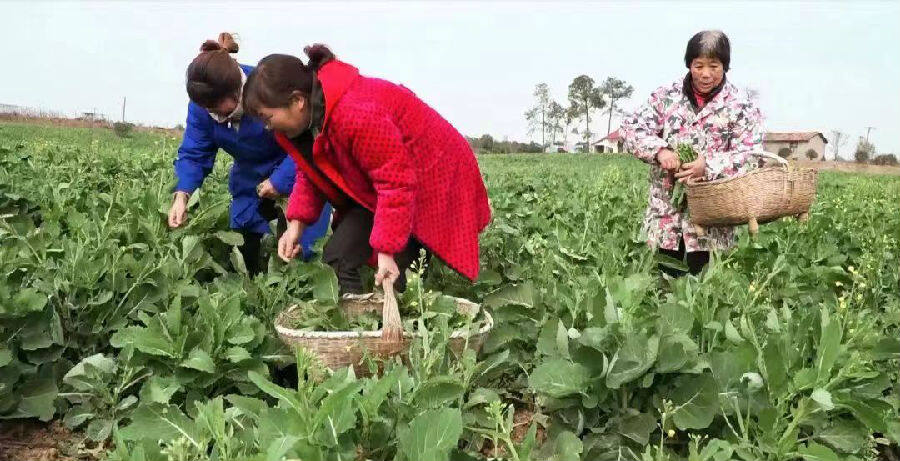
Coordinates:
x,y
288,244
265,189
178,211
667,159
387,269
692,170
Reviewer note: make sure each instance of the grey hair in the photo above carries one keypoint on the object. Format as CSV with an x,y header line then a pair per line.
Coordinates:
x,y
709,39
709,44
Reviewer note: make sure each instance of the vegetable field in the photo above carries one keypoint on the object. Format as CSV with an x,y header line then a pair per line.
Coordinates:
x,y
152,344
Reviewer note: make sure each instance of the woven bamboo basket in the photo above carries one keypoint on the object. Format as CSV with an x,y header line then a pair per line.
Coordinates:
x,y
760,196
337,349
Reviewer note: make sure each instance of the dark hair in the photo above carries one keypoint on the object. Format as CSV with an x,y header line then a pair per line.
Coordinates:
x,y
709,44
213,74
278,77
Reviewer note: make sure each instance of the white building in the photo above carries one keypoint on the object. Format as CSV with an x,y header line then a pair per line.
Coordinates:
x,y
609,144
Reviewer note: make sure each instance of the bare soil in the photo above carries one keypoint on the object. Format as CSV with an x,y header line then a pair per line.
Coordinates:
x,y
850,167
29,440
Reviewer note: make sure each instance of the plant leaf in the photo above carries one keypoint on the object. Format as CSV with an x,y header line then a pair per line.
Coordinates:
x,y
632,360
829,346
816,452
336,414
823,398
274,390
162,422
638,427
431,435
38,397
559,378
200,360
846,436
438,392
697,401
230,238
567,447
521,295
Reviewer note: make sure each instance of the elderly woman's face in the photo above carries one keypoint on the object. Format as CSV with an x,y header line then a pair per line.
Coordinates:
x,y
706,74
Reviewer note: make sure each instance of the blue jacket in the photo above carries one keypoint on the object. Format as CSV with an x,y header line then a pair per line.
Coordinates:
x,y
257,156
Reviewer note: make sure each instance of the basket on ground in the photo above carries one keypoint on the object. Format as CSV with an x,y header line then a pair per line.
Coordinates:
x,y
757,197
337,349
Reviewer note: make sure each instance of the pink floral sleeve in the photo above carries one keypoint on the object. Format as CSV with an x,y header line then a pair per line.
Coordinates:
x,y
642,129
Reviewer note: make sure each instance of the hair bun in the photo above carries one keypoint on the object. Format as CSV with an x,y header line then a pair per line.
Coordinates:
x,y
319,55
210,45
227,43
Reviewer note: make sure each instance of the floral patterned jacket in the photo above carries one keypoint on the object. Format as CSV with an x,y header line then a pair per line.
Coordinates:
x,y
724,131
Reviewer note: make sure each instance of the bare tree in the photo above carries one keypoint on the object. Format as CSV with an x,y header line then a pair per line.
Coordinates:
x,y
534,120
837,140
556,115
569,118
869,130
537,115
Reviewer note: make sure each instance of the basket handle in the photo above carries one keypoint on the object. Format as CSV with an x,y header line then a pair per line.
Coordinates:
x,y
758,153
769,155
391,326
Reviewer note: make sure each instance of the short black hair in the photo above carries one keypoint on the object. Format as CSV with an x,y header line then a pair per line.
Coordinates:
x,y
709,44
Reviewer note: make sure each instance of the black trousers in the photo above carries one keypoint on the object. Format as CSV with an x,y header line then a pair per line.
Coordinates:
x,y
696,260
348,250
250,250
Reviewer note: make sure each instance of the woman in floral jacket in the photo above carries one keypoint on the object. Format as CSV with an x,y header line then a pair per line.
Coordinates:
x,y
722,125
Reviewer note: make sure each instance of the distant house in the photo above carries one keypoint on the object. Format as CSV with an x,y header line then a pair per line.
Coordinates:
x,y
557,147
610,144
806,145
581,147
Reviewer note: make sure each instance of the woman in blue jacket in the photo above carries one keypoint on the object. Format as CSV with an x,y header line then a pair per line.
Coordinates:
x,y
261,171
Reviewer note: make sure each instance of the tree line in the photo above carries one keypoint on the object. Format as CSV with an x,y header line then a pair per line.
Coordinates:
x,y
555,121
864,152
486,144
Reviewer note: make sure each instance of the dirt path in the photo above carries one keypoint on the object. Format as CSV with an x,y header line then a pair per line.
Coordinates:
x,y
850,167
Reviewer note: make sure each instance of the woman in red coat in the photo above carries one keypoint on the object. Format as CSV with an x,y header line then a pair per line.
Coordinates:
x,y
400,176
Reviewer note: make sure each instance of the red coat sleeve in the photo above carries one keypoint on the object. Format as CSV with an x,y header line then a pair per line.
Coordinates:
x,y
305,202
376,143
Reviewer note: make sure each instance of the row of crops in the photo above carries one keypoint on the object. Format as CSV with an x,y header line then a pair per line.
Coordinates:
x,y
155,344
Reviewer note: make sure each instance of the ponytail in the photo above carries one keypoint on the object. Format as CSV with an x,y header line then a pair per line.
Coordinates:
x,y
224,43
319,55
214,75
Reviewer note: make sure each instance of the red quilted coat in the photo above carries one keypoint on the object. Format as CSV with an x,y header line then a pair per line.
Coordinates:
x,y
390,152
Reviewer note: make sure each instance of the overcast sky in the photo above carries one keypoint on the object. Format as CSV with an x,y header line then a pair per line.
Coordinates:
x,y
818,66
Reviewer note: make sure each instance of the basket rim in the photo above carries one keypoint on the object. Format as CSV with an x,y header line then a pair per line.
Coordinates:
x,y
319,334
715,182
